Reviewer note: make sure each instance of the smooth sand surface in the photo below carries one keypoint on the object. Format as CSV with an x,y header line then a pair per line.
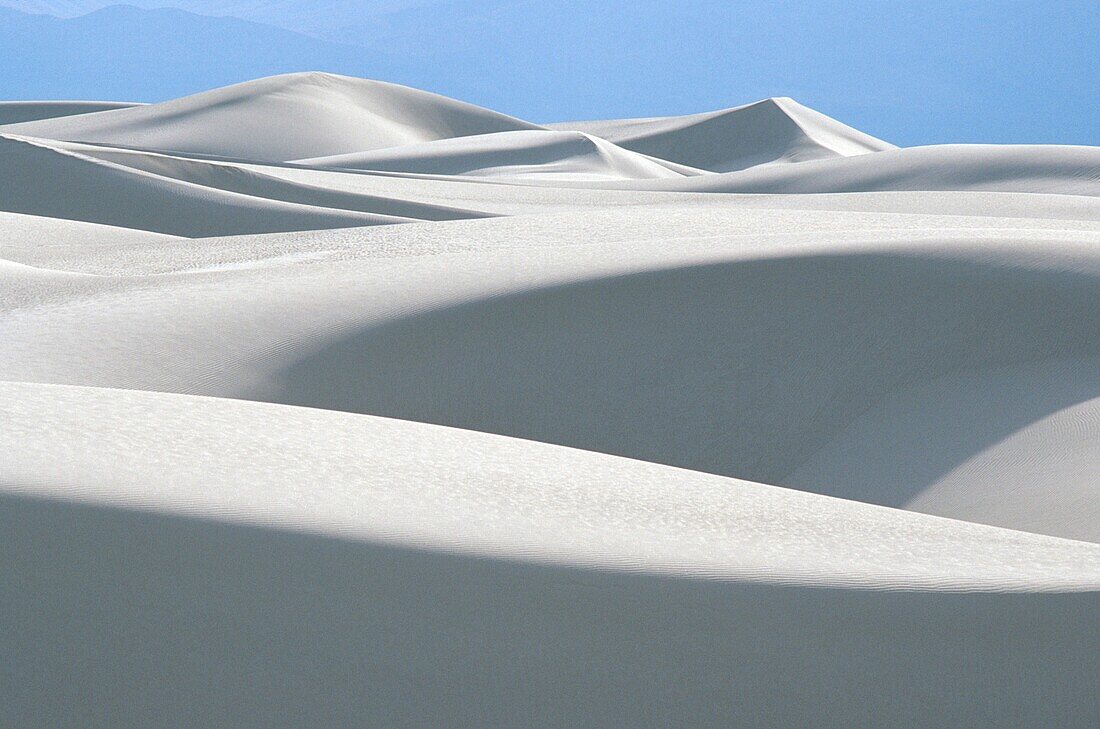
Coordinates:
x,y
281,118
56,183
330,402
768,131
534,153
986,167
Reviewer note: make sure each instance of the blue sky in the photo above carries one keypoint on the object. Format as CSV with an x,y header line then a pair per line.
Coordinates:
x,y
911,73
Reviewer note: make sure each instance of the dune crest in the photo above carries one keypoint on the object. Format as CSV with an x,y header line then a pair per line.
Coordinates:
x,y
949,167
772,130
57,183
561,155
280,118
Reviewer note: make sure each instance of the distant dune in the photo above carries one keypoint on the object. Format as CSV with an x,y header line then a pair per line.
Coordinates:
x,y
282,118
534,153
331,401
993,168
59,184
772,130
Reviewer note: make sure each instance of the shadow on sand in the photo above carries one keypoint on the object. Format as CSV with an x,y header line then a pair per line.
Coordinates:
x,y
122,618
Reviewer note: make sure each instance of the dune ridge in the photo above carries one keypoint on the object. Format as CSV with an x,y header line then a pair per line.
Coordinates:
x,y
281,118
403,499
433,337
768,131
563,155
991,168
60,184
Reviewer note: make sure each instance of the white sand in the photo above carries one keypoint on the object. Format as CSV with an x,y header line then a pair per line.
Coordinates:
x,y
57,183
987,167
768,131
531,153
281,118
716,457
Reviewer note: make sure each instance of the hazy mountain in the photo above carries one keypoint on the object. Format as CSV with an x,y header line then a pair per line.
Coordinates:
x,y
127,53
352,21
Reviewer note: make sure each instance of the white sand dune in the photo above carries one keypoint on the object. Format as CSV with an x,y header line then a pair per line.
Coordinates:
x,y
723,322
61,243
256,181
475,493
56,183
280,118
344,556
354,545
983,457
982,167
735,419
288,198
563,155
772,130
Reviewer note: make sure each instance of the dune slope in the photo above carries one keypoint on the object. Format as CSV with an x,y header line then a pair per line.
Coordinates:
x,y
993,168
279,118
53,182
150,561
726,374
772,130
482,494
562,155
257,181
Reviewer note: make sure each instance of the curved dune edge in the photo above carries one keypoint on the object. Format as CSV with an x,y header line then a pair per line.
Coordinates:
x,y
251,180
725,372
1063,170
139,618
57,183
529,153
407,484
279,118
769,131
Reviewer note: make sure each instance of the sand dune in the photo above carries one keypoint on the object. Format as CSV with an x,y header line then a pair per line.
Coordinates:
x,y
724,323
66,245
709,337
166,559
563,155
772,130
60,184
983,457
723,420
995,168
482,494
255,181
281,118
